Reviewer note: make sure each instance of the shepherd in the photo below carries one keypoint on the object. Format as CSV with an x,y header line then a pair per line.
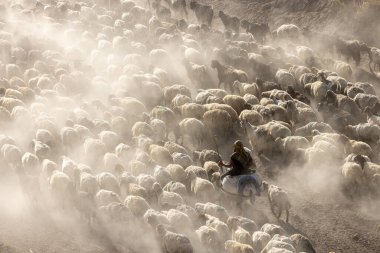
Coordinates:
x,y
242,165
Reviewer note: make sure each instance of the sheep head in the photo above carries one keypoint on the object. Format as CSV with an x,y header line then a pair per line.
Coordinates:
x,y
193,5
161,231
191,175
265,186
232,223
244,24
215,178
196,155
359,159
157,188
214,64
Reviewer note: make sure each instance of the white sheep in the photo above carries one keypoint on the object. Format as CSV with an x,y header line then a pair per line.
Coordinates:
x,y
172,242
272,229
88,183
285,78
108,181
277,198
260,239
213,210
105,197
137,205
182,159
193,128
236,247
201,188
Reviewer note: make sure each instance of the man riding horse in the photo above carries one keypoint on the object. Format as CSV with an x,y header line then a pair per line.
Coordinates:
x,y
241,162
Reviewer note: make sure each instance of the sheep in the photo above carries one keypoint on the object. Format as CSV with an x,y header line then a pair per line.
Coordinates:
x,y
176,187
307,129
285,78
11,154
146,181
292,143
166,199
287,31
108,181
279,243
218,121
94,149
365,100
227,75
168,116
209,238
272,229
353,176
192,110
178,6
173,147
316,90
206,155
193,128
156,217
137,205
206,97
30,162
260,239
236,247
252,117
177,217
212,209
351,91
201,188
375,52
182,159
356,147
105,197
245,223
111,161
348,49
59,184
277,198
88,183
172,91
172,242
180,100
233,114
277,95
229,22
203,13
239,234
128,186
177,173
302,244
258,30
343,69
364,131
236,102
246,88
366,87
218,225
160,155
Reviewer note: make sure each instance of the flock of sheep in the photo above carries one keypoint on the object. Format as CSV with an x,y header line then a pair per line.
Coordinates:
x,y
108,110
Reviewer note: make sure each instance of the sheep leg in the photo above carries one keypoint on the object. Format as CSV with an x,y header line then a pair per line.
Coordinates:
x,y
279,212
287,215
271,205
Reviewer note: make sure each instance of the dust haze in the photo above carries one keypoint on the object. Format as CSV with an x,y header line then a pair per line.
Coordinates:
x,y
82,82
